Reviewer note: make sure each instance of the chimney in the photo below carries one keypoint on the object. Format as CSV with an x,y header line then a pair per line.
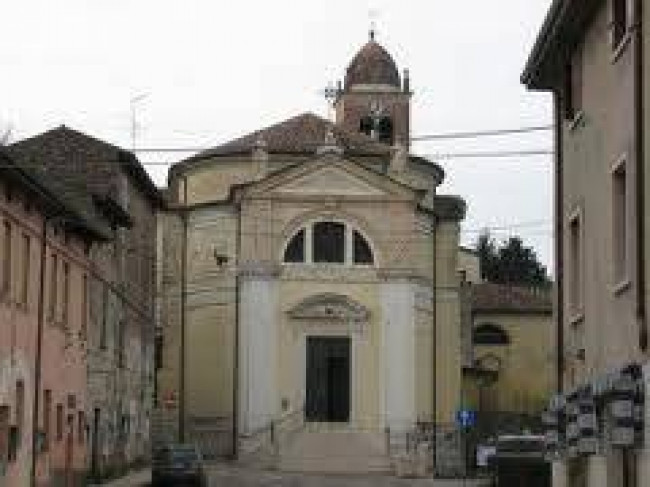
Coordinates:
x,y
407,81
399,159
260,158
330,145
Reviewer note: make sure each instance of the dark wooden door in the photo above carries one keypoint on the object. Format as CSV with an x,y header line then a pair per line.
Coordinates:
x,y
328,379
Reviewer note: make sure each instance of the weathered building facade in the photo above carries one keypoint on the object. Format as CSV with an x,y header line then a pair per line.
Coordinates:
x,y
309,278
109,186
45,270
594,57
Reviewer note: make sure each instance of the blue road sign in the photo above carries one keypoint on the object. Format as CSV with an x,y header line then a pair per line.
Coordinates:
x,y
466,418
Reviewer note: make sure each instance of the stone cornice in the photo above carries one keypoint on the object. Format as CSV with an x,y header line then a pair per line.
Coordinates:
x,y
260,270
449,208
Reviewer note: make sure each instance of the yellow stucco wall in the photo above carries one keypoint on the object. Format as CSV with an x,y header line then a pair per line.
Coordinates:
x,y
402,239
525,380
448,327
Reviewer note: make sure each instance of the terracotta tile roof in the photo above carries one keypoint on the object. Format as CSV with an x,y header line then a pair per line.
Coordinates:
x,y
491,297
48,197
372,65
79,168
65,148
301,134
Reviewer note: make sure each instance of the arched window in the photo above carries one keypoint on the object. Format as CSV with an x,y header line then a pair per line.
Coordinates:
x,y
490,334
328,242
295,251
361,249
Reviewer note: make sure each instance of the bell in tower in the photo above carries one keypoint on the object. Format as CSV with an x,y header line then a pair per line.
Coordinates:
x,y
373,99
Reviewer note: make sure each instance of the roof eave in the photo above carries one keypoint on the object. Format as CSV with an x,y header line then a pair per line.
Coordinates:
x,y
510,310
564,24
48,202
140,175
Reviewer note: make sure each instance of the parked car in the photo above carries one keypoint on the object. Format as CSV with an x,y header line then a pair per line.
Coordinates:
x,y
520,460
178,465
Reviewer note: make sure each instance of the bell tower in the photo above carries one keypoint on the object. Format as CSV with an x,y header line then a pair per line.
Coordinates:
x,y
374,99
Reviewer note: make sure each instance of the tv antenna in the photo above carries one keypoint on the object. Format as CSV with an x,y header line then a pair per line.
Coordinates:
x,y
134,124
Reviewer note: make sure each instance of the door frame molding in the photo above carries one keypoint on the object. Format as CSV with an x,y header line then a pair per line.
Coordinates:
x,y
335,332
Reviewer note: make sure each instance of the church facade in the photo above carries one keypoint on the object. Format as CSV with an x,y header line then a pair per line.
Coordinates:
x,y
309,279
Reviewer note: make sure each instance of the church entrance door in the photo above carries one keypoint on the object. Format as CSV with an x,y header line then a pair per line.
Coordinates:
x,y
328,379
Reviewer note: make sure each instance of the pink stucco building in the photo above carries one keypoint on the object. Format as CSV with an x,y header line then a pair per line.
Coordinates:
x,y
50,385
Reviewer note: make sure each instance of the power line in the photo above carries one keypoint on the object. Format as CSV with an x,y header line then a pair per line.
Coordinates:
x,y
482,133
419,138
491,155
524,224
448,155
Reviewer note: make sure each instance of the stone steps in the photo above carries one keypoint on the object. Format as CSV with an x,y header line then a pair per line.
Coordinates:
x,y
335,452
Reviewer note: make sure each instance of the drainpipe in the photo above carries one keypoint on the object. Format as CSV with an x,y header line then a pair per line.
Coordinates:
x,y
235,367
181,409
559,241
39,342
640,175
434,359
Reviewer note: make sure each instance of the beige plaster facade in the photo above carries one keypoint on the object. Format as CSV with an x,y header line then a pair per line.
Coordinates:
x,y
237,316
111,190
594,58
402,247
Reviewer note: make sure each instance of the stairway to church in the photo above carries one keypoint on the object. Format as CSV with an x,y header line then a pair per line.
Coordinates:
x,y
336,452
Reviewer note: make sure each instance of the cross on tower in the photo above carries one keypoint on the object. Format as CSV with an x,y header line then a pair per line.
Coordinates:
x,y
373,14
330,93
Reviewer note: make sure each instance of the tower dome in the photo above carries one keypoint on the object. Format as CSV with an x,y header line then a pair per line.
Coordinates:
x,y
372,66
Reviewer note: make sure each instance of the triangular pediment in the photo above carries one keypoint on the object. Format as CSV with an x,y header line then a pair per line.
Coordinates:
x,y
331,180
330,176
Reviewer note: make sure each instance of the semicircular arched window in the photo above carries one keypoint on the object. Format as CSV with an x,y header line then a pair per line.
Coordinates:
x,y
489,334
328,242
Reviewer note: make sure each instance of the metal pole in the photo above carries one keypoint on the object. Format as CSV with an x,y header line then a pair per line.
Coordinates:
x,y
181,408
559,243
39,343
639,122
434,358
235,379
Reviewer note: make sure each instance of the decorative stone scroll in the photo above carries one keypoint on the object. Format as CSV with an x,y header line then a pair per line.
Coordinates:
x,y
330,307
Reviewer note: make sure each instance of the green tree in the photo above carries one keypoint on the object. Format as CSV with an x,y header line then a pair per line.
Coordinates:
x,y
510,262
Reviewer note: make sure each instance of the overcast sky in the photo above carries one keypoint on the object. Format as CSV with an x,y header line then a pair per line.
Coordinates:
x,y
213,70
